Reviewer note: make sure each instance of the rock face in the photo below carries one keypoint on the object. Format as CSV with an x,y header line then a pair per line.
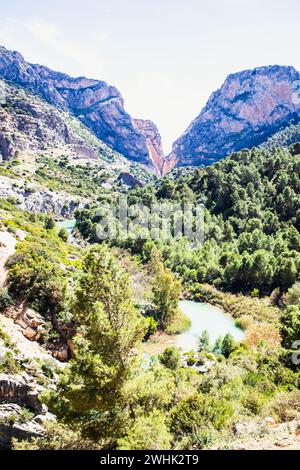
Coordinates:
x,y
130,180
95,103
250,107
38,199
153,141
15,389
13,426
22,413
27,123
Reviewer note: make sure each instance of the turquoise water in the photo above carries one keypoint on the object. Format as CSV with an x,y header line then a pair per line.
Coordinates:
x,y
206,317
68,224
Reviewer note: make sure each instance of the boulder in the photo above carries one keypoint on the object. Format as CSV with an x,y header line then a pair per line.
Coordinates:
x,y
44,418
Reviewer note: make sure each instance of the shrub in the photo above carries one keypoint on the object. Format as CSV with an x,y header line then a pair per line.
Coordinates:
x,y
49,223
5,299
284,406
197,411
147,433
290,326
253,401
152,327
9,364
63,234
292,297
171,358
57,437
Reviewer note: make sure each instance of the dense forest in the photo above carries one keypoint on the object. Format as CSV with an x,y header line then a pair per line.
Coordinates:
x,y
252,221
106,300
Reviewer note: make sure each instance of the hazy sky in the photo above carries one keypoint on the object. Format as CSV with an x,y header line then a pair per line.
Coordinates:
x,y
165,56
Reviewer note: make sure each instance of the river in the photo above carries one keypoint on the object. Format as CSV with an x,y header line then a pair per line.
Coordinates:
x,y
203,317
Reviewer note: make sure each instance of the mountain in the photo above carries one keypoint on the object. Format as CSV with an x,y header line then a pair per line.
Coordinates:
x,y
53,163
250,107
95,103
248,110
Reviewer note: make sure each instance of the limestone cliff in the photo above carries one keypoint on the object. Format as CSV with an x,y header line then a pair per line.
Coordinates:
x,y
250,107
95,103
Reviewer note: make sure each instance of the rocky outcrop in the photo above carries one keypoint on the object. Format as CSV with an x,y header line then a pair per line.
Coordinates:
x,y
21,390
248,108
38,199
30,322
129,180
266,434
13,425
22,413
153,141
95,103
27,123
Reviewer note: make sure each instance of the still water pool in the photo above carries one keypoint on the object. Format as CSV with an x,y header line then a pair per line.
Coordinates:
x,y
205,317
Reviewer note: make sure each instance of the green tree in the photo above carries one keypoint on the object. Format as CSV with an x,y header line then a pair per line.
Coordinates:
x,y
204,342
290,326
166,291
217,349
90,393
228,345
286,272
49,223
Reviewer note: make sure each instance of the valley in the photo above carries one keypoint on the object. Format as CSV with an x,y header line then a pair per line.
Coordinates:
x,y
139,341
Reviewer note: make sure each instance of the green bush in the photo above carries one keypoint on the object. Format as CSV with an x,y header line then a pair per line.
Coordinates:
x,y
63,234
171,358
5,299
198,411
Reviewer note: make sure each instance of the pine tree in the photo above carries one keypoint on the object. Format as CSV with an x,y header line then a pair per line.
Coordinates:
x,y
90,393
166,290
228,345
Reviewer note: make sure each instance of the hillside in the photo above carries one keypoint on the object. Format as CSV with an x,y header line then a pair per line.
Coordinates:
x,y
50,160
89,351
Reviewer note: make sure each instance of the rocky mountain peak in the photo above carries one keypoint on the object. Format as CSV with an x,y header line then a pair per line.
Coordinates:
x,y
95,103
248,108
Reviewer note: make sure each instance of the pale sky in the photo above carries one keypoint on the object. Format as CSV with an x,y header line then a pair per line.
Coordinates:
x,y
165,56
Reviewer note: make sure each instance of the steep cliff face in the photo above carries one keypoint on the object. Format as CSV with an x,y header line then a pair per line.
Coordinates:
x,y
98,105
153,142
249,108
